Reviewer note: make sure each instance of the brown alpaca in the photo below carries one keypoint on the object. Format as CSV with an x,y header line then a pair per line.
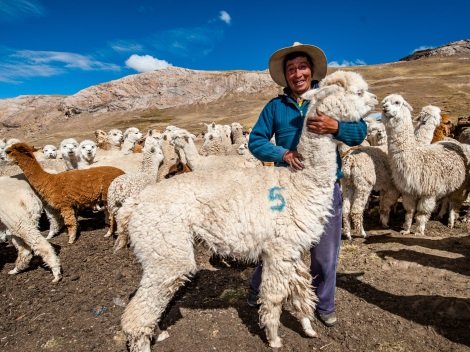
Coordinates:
x,y
67,191
445,129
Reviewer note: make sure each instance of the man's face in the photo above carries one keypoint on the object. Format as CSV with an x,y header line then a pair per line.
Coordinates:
x,y
299,74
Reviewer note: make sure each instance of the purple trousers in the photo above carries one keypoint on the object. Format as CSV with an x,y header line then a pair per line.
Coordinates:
x,y
323,259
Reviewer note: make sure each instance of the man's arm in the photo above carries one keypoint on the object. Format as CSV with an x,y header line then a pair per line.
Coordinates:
x,y
350,133
260,137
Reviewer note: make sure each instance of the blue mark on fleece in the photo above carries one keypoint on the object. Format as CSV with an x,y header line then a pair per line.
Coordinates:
x,y
275,195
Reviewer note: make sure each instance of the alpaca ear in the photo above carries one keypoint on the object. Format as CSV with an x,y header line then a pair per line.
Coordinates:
x,y
321,93
186,138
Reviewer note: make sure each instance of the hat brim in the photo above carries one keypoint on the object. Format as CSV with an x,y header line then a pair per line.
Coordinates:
x,y
276,62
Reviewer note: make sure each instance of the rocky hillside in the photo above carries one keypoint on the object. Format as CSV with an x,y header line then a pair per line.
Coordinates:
x,y
450,49
165,88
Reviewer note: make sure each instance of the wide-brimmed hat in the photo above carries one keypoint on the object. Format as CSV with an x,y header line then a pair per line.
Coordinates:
x,y
276,62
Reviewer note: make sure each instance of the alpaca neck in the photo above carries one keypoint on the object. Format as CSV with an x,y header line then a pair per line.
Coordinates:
x,y
400,136
151,163
424,133
32,170
192,155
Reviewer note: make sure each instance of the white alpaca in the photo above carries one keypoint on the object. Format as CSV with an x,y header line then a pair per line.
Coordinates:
x,y
426,122
272,214
69,151
131,184
131,136
86,154
367,168
49,151
422,173
19,219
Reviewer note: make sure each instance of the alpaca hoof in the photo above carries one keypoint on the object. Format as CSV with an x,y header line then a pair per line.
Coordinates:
x,y
108,234
14,271
405,232
50,236
310,333
307,327
57,276
276,343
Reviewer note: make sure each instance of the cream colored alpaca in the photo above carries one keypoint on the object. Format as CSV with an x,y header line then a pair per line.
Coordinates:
x,y
422,173
19,217
272,214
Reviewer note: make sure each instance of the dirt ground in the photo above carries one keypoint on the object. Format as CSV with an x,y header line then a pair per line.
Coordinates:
x,y
394,293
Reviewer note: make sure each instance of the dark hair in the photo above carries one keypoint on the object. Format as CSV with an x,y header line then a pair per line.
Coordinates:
x,y
296,54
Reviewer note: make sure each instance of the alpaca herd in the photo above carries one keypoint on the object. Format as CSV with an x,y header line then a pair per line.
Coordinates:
x,y
164,191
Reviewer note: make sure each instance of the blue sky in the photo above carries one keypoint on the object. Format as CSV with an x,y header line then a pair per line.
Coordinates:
x,y
61,47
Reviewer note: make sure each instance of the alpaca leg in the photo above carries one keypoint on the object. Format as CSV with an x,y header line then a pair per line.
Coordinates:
x,y
70,222
301,301
166,267
274,290
410,205
357,210
424,208
347,197
24,255
55,221
388,199
444,206
112,224
122,237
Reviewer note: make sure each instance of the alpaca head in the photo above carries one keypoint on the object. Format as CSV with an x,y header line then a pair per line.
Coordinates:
x,y
343,96
152,141
115,137
68,148
429,115
87,149
49,151
101,137
394,105
242,149
132,134
376,134
18,150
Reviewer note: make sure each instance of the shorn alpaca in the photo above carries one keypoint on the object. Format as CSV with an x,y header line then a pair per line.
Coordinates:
x,y
68,191
272,214
422,173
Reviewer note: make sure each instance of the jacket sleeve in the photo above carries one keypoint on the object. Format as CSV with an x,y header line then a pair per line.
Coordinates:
x,y
351,133
259,143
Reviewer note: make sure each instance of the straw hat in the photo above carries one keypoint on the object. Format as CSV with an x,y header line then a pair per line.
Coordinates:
x,y
276,62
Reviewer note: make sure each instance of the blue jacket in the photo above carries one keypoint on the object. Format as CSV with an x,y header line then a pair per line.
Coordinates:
x,y
283,118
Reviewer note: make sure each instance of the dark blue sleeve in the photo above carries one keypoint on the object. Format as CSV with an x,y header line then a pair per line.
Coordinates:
x,y
260,137
351,133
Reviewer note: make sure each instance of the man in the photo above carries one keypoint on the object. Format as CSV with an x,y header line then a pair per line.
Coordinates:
x,y
299,68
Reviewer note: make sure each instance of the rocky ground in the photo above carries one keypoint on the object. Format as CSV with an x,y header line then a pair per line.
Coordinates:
x,y
395,293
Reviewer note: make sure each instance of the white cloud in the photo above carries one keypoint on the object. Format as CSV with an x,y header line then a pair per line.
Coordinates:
x,y
69,60
146,63
126,46
15,9
345,63
225,17
422,47
11,73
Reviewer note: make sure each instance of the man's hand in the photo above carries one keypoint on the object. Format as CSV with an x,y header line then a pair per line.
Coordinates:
x,y
294,159
322,124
